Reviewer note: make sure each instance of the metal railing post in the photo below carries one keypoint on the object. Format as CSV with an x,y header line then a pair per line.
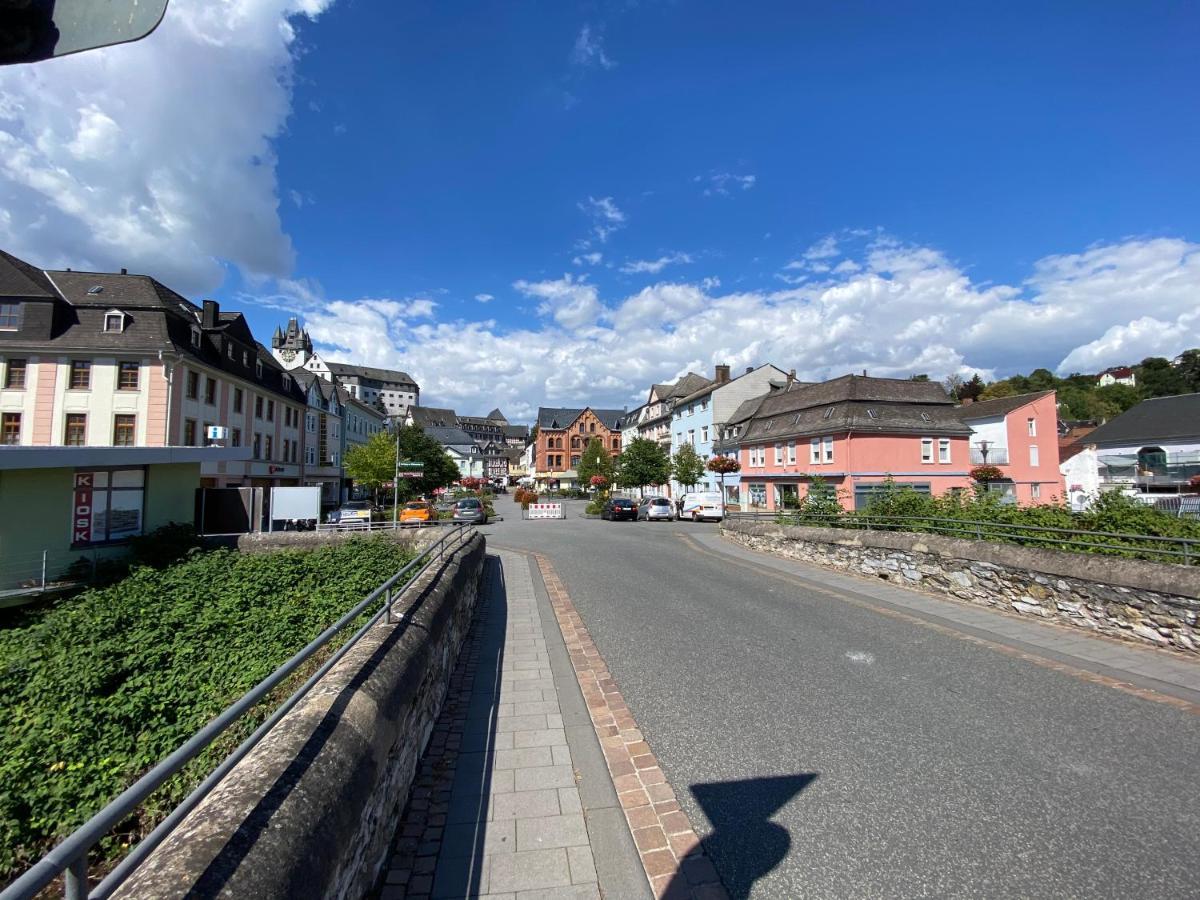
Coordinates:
x,y
76,879
387,599
44,571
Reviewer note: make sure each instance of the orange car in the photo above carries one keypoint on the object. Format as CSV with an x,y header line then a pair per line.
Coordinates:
x,y
416,512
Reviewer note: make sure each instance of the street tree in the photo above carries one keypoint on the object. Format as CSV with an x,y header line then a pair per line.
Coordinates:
x,y
643,462
438,469
596,460
687,467
373,464
1188,367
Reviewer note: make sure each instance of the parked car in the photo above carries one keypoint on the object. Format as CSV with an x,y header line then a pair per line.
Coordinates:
x,y
352,513
416,512
655,508
700,506
470,509
618,508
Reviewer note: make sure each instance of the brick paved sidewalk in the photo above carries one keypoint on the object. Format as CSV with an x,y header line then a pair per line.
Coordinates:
x,y
496,809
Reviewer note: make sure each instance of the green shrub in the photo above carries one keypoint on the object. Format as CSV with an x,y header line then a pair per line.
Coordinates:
x,y
99,688
594,508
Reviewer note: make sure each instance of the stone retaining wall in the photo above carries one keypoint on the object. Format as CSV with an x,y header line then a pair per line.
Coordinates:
x,y
311,811
1151,603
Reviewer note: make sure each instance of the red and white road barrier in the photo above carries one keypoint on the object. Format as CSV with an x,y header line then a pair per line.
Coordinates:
x,y
545,511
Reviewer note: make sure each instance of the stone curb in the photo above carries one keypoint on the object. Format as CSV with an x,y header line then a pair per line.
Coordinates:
x,y
671,852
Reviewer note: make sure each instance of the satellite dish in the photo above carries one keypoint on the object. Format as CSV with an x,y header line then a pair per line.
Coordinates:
x,y
35,30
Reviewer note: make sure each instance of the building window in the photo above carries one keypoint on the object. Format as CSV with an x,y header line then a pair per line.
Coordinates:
x,y
229,349
270,410
114,321
581,428
692,436
814,451
704,434
257,445
128,374
81,374
193,385
258,368
258,407
827,443
124,427
189,432
791,453
926,450
235,439
944,450
703,405
574,461
1031,426
210,391
1035,490
107,506
195,336
10,428
1033,455
10,316
76,430
592,427
14,375
779,454
238,395
267,447
616,443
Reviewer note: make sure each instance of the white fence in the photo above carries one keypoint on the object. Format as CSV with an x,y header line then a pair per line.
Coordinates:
x,y
545,511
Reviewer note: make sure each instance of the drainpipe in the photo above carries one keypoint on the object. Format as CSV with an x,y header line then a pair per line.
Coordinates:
x,y
169,374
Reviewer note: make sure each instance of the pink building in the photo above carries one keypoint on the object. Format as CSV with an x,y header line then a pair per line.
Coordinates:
x,y
854,433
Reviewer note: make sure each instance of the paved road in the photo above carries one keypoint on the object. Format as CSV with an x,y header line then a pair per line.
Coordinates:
x,y
824,749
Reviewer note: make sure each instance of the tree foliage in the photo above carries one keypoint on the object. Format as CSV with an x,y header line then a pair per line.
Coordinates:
x,y
643,462
687,467
373,464
595,460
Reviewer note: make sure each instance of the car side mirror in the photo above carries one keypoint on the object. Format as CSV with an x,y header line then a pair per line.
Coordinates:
x,y
36,30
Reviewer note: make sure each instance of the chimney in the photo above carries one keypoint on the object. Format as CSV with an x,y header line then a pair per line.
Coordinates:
x,y
864,373
124,271
209,318
749,369
722,374
791,376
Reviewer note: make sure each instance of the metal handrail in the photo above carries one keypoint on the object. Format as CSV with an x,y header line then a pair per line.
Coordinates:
x,y
70,856
1190,547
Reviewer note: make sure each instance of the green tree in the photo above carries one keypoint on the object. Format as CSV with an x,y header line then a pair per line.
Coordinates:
x,y
953,384
1156,377
1042,380
687,467
439,469
1188,367
1118,397
998,389
922,377
596,460
971,389
643,462
373,464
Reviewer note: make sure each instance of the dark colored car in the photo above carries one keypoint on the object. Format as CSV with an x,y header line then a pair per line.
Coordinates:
x,y
470,509
619,508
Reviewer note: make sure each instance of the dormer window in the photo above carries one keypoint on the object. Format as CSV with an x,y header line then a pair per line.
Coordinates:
x,y
872,414
230,349
114,321
95,289
258,368
195,337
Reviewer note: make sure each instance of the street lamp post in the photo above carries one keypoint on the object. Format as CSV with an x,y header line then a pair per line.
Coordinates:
x,y
396,486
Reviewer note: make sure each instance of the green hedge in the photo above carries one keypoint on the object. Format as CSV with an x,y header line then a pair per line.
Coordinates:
x,y
1113,513
99,688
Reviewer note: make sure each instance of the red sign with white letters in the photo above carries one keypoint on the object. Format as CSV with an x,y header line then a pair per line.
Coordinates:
x,y
81,511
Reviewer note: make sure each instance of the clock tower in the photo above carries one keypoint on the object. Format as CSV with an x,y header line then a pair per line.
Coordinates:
x,y
293,348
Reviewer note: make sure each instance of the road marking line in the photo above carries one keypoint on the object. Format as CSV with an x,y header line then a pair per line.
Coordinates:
x,y
1042,661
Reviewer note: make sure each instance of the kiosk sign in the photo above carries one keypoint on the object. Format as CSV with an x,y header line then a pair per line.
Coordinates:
x,y
81,509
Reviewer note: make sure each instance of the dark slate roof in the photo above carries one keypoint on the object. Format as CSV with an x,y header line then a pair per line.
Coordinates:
x,y
450,437
19,279
746,409
433,417
857,416
1152,421
498,416
391,375
554,418
521,431
1001,406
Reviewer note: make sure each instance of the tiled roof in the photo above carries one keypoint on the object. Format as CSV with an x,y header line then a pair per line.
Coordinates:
x,y
553,417
390,375
1152,421
1001,406
450,436
19,279
857,416
432,416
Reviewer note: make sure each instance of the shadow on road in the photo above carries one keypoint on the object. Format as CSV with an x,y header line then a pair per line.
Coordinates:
x,y
745,844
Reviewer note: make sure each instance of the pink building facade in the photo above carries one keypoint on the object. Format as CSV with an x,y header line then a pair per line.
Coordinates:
x,y
852,434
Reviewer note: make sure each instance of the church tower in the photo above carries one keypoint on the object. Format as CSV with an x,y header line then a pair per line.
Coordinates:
x,y
293,348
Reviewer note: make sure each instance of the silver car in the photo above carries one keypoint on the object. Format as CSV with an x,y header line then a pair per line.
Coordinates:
x,y
655,508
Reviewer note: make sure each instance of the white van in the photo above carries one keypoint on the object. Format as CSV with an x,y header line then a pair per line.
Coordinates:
x,y
706,505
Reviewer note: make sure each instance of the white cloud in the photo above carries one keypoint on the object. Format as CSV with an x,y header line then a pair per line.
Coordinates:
x,y
725,183
1110,304
591,259
655,265
589,50
606,217
484,298
155,155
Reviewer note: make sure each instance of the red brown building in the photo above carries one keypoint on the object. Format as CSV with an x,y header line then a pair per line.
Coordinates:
x,y
562,436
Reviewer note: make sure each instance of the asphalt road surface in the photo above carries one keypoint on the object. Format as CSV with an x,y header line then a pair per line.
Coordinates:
x,y
825,749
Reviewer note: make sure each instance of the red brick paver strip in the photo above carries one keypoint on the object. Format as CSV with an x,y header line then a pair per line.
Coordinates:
x,y
665,838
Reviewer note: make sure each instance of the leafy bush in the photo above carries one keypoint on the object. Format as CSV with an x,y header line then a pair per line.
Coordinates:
x,y
99,688
594,508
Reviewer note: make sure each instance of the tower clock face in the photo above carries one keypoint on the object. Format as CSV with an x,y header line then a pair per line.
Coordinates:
x,y
288,355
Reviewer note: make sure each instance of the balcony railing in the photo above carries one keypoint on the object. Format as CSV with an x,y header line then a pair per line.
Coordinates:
x,y
995,456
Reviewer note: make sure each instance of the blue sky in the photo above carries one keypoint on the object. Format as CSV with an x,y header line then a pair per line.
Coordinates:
x,y
934,187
